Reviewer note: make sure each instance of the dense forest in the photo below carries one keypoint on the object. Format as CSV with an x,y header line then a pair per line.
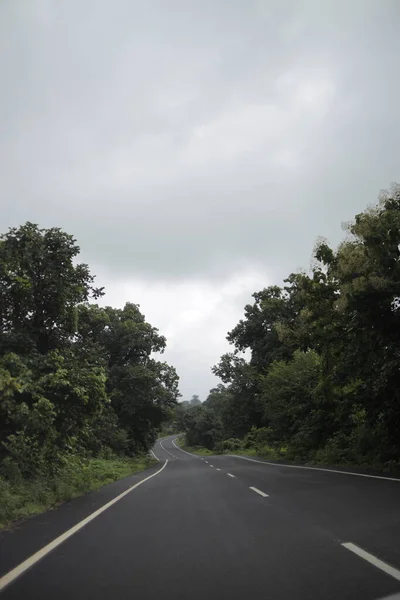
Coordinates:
x,y
77,381
322,382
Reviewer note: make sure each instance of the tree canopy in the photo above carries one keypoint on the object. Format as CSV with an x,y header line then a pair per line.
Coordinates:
x,y
322,381
75,378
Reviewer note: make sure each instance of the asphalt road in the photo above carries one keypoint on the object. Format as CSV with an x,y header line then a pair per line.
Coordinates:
x,y
212,528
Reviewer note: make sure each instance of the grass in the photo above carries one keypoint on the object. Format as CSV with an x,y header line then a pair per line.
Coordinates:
x,y
27,498
264,452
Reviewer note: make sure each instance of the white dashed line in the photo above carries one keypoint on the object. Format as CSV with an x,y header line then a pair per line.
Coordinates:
x,y
32,560
373,560
211,466
257,491
218,469
230,475
167,451
206,462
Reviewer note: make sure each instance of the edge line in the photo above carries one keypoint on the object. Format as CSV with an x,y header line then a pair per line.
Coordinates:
x,y
264,462
32,560
189,453
165,450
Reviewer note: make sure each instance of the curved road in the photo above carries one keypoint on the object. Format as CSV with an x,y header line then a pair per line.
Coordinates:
x,y
210,528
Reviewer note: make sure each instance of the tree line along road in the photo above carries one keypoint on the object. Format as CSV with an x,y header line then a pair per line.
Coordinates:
x,y
213,527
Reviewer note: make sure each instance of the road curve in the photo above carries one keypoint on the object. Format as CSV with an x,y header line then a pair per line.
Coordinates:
x,y
215,527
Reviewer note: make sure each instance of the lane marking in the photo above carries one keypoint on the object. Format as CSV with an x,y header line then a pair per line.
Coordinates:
x,y
177,447
263,462
230,475
32,560
206,462
218,469
212,466
373,560
257,491
165,450
151,452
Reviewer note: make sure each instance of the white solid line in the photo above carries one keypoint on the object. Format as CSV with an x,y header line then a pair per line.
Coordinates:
x,y
259,492
151,452
177,447
373,560
230,475
263,462
167,451
32,560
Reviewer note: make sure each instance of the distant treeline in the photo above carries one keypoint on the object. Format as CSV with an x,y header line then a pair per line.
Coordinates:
x,y
323,380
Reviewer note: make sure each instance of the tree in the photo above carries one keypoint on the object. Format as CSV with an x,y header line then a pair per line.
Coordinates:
x,y
141,389
257,331
40,287
325,351
195,400
295,408
75,378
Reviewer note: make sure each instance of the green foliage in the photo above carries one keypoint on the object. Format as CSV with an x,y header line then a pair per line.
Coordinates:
x,y
322,382
229,445
76,380
19,499
40,287
201,427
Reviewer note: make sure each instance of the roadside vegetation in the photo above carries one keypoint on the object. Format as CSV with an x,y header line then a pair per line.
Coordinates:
x,y
28,497
181,442
322,384
81,397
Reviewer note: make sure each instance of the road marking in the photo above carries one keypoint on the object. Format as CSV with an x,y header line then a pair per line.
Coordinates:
x,y
151,452
230,475
212,466
218,469
373,560
177,447
263,462
259,492
165,450
32,560
206,462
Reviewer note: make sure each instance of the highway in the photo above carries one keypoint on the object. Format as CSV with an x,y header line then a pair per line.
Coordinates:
x,y
205,528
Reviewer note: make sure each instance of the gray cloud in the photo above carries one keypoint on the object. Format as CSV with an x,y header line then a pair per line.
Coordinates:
x,y
194,141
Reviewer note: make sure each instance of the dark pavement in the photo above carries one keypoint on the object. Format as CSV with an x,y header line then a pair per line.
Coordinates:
x,y
196,531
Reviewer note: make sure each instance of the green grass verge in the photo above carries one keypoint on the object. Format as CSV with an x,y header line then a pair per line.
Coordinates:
x,y
27,498
264,452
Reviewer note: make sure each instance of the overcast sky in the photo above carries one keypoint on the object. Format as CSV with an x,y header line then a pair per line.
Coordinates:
x,y
196,148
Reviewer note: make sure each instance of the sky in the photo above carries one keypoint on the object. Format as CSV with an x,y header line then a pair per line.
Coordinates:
x,y
196,149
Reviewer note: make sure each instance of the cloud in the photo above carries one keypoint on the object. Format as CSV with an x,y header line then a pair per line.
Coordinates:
x,y
193,315
187,145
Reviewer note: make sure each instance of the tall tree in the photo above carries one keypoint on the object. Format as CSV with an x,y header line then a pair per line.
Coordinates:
x,y
195,400
40,287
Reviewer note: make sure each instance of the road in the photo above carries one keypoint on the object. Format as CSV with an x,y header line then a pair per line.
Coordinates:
x,y
211,528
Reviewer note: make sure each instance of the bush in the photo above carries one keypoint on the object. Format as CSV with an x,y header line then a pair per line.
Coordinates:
x,y
228,445
22,498
258,438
